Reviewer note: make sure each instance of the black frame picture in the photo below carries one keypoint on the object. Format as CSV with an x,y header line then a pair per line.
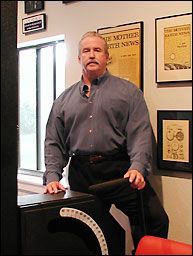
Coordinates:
x,y
173,48
174,140
68,2
125,45
33,6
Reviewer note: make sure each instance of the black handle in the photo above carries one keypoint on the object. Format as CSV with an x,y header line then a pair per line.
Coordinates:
x,y
102,187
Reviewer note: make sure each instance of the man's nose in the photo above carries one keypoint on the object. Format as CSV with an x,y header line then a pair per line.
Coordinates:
x,y
92,54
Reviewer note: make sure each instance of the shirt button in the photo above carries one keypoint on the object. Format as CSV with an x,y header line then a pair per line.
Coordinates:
x,y
90,116
90,102
90,130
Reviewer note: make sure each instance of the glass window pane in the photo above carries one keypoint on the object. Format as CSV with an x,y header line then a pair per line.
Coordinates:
x,y
60,68
46,95
27,109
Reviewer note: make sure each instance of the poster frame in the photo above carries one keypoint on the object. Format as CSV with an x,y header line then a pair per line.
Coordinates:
x,y
173,43
174,143
127,30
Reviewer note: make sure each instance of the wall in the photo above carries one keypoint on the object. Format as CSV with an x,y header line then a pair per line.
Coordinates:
x,y
76,18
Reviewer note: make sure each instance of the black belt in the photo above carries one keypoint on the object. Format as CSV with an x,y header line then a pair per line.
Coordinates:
x,y
97,158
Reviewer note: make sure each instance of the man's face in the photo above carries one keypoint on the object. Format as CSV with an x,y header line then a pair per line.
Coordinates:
x,y
93,56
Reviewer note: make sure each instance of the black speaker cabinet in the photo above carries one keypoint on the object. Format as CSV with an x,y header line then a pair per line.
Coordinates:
x,y
70,223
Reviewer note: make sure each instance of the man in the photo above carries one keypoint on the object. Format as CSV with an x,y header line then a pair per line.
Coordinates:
x,y
102,123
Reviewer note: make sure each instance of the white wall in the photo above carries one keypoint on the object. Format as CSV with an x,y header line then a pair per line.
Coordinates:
x,y
76,18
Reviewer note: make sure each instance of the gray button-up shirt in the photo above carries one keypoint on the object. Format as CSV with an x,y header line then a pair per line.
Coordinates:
x,y
114,117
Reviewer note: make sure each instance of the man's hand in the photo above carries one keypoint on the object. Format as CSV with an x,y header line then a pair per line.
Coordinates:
x,y
54,187
135,178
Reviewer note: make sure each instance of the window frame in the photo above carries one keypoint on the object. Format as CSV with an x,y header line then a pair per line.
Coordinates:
x,y
38,46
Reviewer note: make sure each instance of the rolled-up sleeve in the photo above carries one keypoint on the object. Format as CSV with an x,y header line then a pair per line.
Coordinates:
x,y
139,135
56,156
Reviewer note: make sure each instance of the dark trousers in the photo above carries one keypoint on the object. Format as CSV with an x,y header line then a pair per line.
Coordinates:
x,y
82,174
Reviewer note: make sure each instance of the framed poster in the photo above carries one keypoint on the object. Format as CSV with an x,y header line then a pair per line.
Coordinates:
x,y
174,139
125,46
33,6
174,48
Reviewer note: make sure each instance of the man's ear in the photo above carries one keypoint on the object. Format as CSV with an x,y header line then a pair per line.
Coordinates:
x,y
107,57
79,59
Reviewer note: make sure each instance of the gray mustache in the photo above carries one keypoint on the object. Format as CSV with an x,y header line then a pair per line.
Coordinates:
x,y
93,61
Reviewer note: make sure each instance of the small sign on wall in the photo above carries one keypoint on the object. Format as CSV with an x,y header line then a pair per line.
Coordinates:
x,y
34,23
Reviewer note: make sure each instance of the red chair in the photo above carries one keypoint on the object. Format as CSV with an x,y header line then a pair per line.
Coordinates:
x,y
151,245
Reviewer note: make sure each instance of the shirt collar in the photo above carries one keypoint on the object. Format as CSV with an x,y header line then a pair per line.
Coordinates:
x,y
96,81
